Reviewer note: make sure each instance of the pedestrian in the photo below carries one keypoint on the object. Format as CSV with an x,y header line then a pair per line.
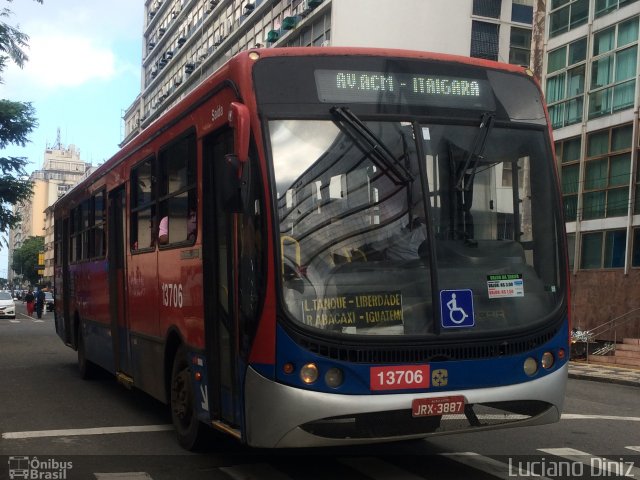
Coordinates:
x,y
40,302
29,299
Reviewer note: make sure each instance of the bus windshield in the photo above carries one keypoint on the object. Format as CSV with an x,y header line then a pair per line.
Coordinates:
x,y
381,220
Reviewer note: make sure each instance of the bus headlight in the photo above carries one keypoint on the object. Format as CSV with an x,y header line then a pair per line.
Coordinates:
x,y
547,360
334,377
309,373
530,366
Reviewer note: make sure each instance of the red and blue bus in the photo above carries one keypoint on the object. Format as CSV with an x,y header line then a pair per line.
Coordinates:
x,y
327,246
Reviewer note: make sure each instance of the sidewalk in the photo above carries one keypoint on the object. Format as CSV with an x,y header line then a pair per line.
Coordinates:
x,y
604,373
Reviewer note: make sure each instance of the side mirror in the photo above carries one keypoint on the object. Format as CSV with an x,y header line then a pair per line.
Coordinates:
x,y
234,183
240,122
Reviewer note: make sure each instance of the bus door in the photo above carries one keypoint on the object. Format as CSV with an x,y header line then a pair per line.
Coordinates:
x,y
221,314
117,307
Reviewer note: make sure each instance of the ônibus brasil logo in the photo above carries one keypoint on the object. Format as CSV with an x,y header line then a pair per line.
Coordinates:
x,y
36,469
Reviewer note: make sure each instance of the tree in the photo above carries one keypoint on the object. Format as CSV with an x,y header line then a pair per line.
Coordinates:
x,y
17,121
25,259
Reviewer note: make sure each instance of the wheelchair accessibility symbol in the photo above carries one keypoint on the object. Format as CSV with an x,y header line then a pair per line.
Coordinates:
x,y
456,308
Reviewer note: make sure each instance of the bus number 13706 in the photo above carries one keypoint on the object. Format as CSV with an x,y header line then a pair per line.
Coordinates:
x,y
172,295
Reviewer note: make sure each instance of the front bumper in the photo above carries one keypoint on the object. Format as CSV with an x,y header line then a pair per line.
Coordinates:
x,y
282,416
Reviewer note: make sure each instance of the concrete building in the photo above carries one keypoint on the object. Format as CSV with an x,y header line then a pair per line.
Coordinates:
x,y
61,170
186,40
591,72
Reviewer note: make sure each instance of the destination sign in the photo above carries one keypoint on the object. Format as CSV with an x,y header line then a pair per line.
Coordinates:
x,y
354,310
354,86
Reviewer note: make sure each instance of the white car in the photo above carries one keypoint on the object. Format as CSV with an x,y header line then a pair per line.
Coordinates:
x,y
7,305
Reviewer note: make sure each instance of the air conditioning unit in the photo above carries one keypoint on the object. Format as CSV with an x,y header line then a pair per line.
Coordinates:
x,y
189,68
289,23
161,32
181,41
273,36
150,45
308,5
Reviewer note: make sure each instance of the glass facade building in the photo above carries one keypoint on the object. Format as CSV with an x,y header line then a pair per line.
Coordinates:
x,y
591,88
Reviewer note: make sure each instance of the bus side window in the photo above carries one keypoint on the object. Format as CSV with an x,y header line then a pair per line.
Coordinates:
x,y
143,192
177,192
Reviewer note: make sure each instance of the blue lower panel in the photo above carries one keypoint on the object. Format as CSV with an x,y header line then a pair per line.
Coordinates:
x,y
443,375
147,363
98,345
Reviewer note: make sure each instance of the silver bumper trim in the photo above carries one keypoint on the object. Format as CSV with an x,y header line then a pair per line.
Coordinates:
x,y
274,411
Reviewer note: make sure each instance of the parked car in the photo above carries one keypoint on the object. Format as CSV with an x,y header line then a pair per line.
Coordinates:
x,y
7,305
48,301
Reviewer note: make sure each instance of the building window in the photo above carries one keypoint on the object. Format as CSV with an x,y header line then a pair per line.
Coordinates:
x,y
607,6
635,255
603,249
520,46
636,207
487,8
571,249
484,40
568,153
566,83
522,11
607,170
567,15
613,69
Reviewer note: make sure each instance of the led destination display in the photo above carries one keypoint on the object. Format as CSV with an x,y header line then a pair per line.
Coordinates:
x,y
353,86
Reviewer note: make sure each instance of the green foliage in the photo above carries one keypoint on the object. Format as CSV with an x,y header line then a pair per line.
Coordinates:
x,y
17,121
25,259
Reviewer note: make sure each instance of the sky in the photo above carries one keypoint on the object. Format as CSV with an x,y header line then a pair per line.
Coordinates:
x,y
83,73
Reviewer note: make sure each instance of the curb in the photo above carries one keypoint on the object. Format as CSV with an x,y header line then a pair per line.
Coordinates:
x,y
604,374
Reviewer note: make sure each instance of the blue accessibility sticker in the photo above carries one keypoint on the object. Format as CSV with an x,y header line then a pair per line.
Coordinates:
x,y
456,308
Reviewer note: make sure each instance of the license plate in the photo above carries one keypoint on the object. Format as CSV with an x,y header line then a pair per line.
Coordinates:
x,y
427,407
401,377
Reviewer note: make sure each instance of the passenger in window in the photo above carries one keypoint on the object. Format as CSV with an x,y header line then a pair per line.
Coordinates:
x,y
410,243
192,225
163,231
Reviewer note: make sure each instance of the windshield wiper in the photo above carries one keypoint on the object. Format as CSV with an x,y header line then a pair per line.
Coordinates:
x,y
476,152
370,142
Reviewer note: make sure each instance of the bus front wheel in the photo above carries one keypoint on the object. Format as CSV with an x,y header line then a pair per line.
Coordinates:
x,y
185,421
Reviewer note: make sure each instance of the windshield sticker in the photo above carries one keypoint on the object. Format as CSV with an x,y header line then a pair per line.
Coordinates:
x,y
505,285
456,308
354,310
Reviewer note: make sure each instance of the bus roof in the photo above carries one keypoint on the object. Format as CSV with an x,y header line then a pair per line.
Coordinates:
x,y
241,62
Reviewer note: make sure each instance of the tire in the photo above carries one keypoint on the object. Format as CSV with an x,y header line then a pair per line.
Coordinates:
x,y
189,430
86,368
